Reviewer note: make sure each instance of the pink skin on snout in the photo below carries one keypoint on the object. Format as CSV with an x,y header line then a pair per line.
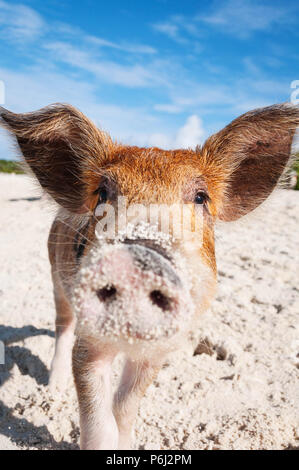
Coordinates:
x,y
117,298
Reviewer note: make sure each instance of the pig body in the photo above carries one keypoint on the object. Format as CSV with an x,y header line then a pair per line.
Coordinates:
x,y
141,289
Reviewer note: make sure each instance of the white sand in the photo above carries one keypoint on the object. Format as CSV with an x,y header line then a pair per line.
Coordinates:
x,y
243,394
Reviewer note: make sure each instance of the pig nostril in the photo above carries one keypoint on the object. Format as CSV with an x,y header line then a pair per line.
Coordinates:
x,y
160,299
108,292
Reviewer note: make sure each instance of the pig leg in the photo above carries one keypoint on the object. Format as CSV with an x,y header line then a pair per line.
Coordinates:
x,y
92,373
136,377
61,366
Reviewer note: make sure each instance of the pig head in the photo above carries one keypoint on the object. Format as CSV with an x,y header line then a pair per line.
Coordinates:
x,y
122,281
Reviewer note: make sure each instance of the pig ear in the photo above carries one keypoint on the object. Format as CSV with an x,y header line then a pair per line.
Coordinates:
x,y
250,156
60,145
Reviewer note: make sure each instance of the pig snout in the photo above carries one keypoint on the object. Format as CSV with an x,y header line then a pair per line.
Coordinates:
x,y
132,291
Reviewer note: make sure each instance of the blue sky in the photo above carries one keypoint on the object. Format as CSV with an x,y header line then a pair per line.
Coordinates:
x,y
158,72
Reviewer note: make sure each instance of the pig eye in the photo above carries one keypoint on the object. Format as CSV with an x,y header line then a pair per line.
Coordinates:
x,y
201,198
103,195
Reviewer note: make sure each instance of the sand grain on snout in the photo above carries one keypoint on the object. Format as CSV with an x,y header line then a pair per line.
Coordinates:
x,y
240,389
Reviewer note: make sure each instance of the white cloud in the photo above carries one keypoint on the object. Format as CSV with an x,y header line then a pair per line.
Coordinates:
x,y
19,22
244,18
131,48
169,29
194,96
189,135
131,125
168,108
251,66
178,28
160,140
239,94
234,17
111,72
34,89
179,86
72,32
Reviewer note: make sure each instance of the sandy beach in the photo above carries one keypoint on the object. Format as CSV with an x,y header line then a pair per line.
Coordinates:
x,y
239,390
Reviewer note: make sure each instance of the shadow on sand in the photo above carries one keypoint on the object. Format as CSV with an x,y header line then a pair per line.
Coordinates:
x,y
18,429
30,199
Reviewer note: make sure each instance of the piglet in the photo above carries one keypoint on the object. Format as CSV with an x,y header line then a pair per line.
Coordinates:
x,y
132,245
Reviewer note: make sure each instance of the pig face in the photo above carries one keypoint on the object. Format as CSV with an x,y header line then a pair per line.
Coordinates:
x,y
145,283
146,280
